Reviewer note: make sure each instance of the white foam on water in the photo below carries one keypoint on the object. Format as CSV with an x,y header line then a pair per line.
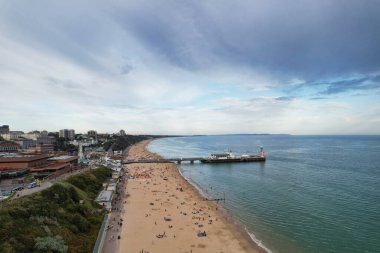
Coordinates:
x,y
258,242
199,189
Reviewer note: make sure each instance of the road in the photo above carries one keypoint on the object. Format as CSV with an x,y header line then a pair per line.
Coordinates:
x,y
47,183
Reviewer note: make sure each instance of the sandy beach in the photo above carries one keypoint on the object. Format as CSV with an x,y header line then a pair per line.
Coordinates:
x,y
164,213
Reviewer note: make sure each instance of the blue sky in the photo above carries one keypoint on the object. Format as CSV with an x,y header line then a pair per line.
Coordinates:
x,y
191,67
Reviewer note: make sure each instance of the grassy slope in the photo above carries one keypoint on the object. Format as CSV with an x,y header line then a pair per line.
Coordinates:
x,y
55,211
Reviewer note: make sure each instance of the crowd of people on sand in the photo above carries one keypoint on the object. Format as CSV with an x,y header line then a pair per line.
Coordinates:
x,y
136,175
200,213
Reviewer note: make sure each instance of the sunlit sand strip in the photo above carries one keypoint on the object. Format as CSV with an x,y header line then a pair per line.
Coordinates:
x,y
164,213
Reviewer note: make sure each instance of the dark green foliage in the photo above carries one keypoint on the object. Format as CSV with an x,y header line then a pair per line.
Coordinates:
x,y
81,223
59,193
54,218
84,181
120,143
64,145
74,195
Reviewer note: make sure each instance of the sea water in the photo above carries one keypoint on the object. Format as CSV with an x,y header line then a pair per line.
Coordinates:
x,y
313,193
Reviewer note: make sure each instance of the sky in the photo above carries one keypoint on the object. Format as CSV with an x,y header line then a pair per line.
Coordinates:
x,y
191,67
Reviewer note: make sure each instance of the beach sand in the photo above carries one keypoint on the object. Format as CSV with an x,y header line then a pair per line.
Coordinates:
x,y
151,201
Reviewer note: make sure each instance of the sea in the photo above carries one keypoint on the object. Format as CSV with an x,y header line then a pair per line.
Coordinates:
x,y
313,193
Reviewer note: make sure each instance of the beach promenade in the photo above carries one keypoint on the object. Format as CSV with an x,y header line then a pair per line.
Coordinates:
x,y
164,213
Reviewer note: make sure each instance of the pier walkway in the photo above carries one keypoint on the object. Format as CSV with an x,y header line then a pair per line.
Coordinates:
x,y
169,160
197,159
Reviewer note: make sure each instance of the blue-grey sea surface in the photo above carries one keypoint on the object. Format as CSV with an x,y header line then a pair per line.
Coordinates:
x,y
313,194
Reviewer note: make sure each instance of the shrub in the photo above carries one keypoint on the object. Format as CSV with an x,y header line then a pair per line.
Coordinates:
x,y
48,243
38,222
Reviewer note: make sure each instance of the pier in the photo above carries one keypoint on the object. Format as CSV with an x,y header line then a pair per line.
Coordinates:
x,y
198,159
214,158
216,199
169,160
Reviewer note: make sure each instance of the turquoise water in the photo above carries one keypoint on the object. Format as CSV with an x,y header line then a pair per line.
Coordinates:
x,y
313,194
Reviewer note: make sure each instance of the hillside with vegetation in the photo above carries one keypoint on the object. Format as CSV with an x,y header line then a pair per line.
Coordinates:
x,y
121,142
62,218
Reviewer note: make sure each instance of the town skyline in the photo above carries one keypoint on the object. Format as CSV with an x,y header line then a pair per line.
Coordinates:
x,y
186,68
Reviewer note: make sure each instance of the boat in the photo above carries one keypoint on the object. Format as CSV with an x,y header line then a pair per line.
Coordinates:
x,y
228,157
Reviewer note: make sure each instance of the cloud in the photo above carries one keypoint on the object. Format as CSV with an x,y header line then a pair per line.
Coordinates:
x,y
319,40
130,64
69,84
125,69
363,83
285,98
318,98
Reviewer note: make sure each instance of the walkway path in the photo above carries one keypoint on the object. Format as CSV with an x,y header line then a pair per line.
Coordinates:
x,y
115,222
47,183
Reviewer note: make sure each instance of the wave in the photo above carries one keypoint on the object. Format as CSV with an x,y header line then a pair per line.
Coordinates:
x,y
257,241
225,212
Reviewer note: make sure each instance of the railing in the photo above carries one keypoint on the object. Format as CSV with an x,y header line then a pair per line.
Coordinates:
x,y
168,160
101,236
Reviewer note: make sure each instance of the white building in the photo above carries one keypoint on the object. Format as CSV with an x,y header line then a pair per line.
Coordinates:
x,y
105,199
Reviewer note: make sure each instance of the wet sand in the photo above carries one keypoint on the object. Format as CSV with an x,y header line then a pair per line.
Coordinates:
x,y
164,213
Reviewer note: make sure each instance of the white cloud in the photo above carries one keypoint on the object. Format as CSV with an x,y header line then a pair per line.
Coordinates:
x,y
151,68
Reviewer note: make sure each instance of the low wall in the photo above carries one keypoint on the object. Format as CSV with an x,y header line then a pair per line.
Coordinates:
x,y
101,236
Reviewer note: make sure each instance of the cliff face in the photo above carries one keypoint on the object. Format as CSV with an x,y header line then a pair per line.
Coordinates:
x,y
62,218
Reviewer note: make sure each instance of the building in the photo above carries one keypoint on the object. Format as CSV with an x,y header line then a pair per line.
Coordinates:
x,y
93,134
9,146
73,160
49,169
11,161
56,166
67,134
40,149
111,187
71,135
44,139
32,135
44,148
25,143
12,135
116,174
4,129
63,133
105,199
41,166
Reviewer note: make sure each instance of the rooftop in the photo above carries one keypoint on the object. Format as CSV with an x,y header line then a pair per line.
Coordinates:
x,y
64,158
18,157
7,143
50,167
104,196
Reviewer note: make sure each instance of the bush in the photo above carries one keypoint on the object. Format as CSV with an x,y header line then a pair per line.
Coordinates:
x,y
81,223
38,222
51,244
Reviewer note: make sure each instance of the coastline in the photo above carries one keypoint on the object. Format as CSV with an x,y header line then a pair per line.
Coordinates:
x,y
229,218
179,218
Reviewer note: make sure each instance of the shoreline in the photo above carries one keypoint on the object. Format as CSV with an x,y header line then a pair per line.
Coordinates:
x,y
229,217
181,232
